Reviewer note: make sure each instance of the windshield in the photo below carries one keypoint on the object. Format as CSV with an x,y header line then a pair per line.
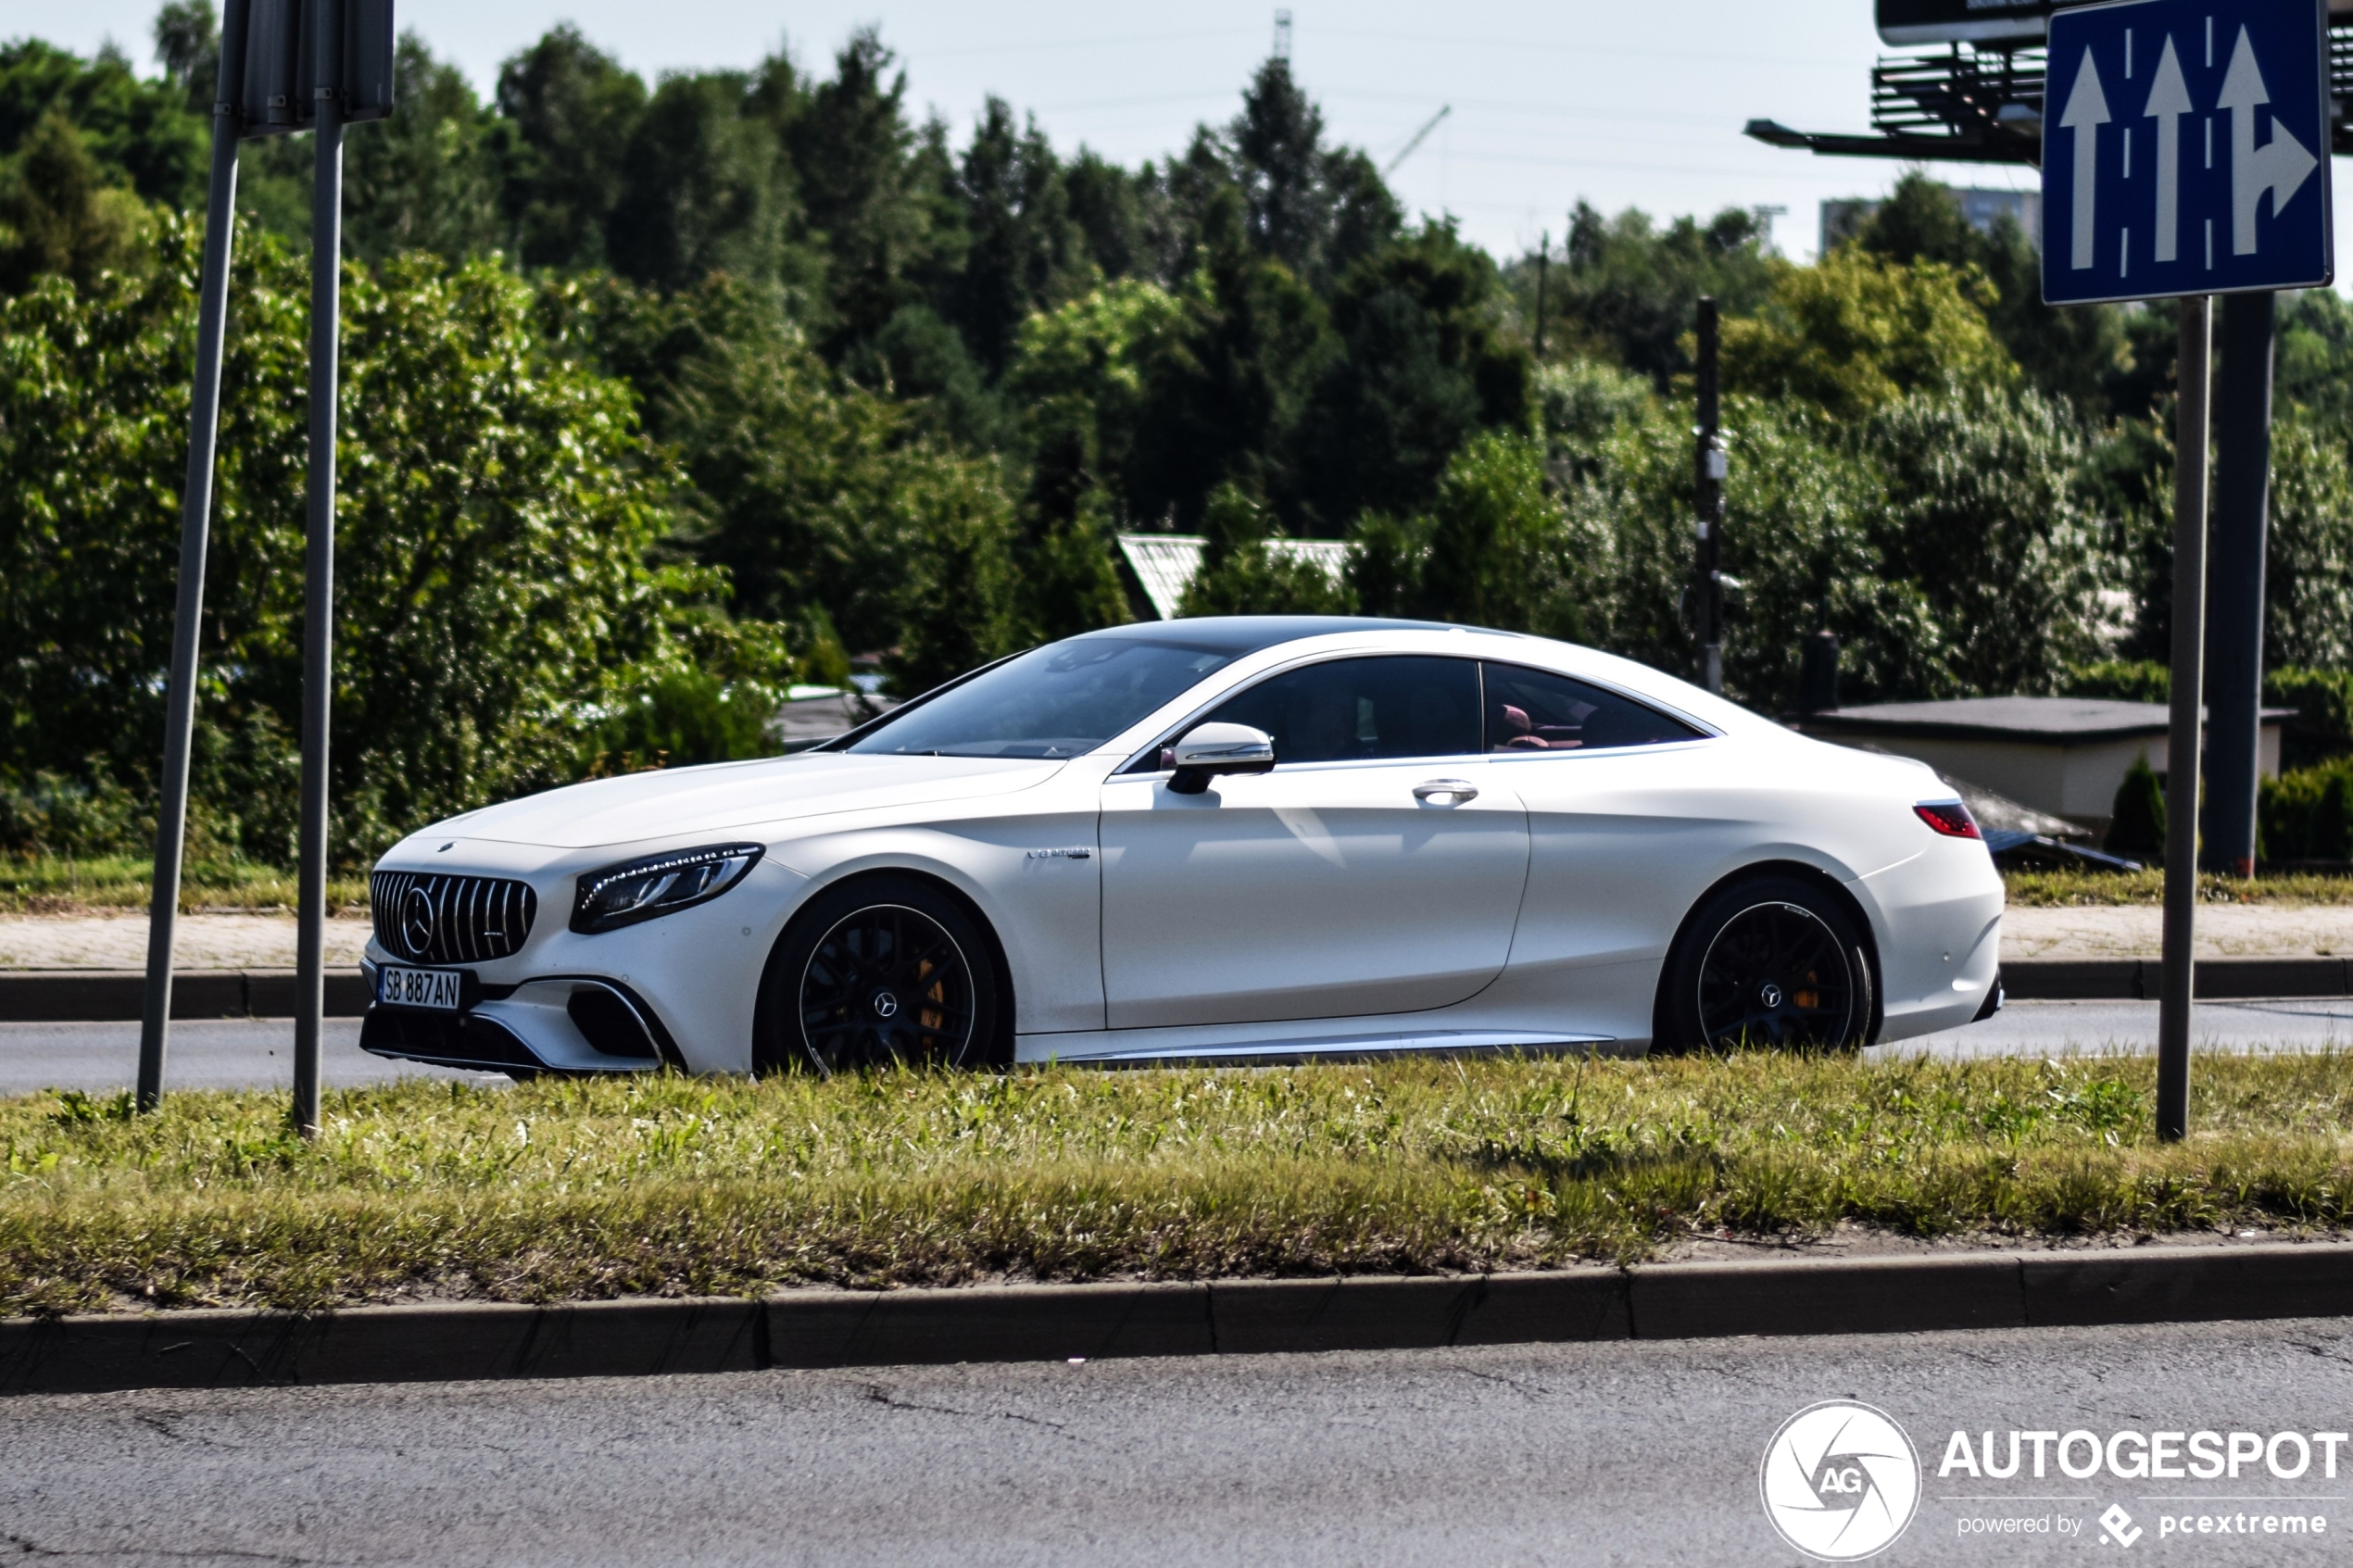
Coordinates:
x,y
1059,700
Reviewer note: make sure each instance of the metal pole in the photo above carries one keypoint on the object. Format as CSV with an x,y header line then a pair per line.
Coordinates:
x,y
2181,741
2235,587
195,518
1707,587
319,558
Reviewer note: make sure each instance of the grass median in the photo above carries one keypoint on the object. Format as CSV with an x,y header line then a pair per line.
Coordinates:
x,y
693,1187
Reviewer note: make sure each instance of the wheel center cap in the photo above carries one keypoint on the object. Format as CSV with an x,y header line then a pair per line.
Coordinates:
x,y
1770,995
886,1005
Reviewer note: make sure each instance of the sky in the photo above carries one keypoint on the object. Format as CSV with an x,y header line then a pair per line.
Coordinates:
x,y
1621,105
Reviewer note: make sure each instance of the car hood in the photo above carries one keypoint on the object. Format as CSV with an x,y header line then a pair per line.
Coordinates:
x,y
739,797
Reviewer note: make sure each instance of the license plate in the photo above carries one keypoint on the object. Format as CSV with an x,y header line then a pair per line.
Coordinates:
x,y
436,990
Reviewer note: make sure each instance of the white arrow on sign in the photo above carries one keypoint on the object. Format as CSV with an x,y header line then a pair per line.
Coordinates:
x,y
2169,101
2087,112
2280,166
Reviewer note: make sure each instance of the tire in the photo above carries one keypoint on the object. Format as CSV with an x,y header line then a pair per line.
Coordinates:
x,y
884,970
1773,962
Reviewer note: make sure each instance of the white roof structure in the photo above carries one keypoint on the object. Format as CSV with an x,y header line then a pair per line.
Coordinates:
x,y
1166,564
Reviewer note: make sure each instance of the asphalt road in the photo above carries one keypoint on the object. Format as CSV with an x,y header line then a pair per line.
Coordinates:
x,y
1627,1453
2039,1028
210,1053
224,1053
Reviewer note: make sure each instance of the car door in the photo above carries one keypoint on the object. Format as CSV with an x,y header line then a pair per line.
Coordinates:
x,y
1349,880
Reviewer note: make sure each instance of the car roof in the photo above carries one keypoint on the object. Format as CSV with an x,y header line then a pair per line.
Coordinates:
x,y
1235,635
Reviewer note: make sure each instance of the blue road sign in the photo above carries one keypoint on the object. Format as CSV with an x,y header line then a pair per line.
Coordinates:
x,y
2186,150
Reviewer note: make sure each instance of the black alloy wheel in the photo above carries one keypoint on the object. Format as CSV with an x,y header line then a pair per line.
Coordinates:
x,y
880,973
1773,964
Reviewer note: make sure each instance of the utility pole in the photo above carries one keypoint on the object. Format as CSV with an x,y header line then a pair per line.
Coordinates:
x,y
1709,468
2235,589
2182,739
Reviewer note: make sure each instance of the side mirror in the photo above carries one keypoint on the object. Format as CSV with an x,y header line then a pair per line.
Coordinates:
x,y
1211,749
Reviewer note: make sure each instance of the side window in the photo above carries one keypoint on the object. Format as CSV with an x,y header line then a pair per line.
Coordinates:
x,y
1530,711
1365,708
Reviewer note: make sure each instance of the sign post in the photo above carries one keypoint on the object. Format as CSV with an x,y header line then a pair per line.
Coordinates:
x,y
196,522
286,66
2181,164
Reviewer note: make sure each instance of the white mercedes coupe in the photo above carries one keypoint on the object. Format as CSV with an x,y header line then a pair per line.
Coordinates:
x,y
1237,839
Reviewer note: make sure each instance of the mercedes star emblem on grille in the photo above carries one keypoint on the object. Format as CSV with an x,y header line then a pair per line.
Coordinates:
x,y
416,921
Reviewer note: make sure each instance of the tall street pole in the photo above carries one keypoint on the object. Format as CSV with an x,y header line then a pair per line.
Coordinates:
x,y
318,561
196,520
2234,592
2182,737
1709,468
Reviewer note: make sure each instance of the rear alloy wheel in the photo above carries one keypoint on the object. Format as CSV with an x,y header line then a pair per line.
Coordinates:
x,y
1771,963
884,971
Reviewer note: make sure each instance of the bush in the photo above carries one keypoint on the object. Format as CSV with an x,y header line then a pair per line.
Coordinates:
x,y
497,591
2307,814
2136,821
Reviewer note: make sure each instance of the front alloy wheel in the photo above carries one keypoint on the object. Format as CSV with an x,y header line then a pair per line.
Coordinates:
x,y
887,983
885,970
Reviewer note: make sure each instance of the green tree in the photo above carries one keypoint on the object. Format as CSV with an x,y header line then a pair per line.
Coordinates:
x,y
1419,367
426,178
1854,333
702,188
57,214
496,586
1986,512
568,114
140,133
1628,292
1025,254
1493,528
2074,352
870,189
1242,573
2308,580
188,47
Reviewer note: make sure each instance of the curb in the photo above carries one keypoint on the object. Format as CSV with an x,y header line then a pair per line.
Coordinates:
x,y
120,996
92,996
2079,979
478,1341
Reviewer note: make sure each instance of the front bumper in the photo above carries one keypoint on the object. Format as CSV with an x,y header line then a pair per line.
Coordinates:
x,y
566,1023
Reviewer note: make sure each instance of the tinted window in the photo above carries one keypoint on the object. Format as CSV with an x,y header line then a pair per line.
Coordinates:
x,y
1529,710
1059,700
1365,708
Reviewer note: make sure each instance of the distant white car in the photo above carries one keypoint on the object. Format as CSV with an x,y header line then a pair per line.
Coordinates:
x,y
1223,839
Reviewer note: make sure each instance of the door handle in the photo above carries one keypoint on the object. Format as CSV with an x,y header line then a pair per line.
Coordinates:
x,y
1461,791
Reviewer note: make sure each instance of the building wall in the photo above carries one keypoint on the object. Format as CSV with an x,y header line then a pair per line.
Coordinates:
x,y
2075,782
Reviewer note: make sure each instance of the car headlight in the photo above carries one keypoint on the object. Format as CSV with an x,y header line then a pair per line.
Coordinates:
x,y
658,886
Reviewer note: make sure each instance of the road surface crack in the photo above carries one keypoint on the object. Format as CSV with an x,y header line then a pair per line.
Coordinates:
x,y
26,1546
878,1394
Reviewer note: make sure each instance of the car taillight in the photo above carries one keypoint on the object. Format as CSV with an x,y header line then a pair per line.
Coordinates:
x,y
1949,817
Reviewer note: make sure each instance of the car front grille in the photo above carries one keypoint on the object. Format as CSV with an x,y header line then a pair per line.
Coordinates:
x,y
429,919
